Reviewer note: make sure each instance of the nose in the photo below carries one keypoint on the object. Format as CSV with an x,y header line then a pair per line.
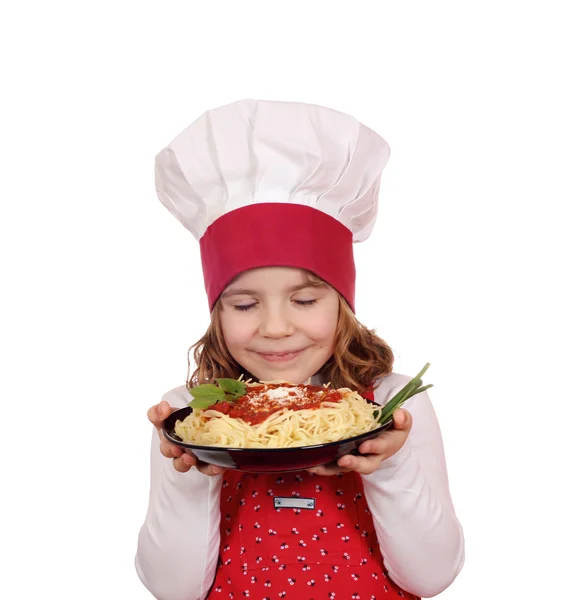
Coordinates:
x,y
275,323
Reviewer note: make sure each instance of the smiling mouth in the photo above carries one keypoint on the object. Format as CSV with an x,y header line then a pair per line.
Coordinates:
x,y
279,356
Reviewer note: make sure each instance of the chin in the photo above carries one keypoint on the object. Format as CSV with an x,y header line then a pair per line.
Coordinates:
x,y
294,375
296,371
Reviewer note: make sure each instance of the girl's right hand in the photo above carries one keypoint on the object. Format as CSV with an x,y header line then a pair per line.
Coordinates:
x,y
182,461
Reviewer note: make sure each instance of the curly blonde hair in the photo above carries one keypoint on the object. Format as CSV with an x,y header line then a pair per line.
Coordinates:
x,y
359,358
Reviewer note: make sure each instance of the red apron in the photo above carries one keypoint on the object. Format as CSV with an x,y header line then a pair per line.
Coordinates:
x,y
324,547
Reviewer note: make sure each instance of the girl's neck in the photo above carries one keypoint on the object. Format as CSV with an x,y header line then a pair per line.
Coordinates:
x,y
316,380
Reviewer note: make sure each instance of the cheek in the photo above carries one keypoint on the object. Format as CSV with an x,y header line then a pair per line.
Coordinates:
x,y
236,330
322,328
324,334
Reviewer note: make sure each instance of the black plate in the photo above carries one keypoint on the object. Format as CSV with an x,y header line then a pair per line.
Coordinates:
x,y
268,460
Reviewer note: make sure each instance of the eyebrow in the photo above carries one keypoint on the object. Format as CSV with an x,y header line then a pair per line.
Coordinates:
x,y
246,292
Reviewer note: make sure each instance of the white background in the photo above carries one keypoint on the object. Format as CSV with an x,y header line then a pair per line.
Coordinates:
x,y
469,266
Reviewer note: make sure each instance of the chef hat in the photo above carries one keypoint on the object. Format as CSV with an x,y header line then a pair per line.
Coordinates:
x,y
262,183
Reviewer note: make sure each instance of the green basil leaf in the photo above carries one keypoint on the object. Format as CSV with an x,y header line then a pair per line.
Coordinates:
x,y
202,403
233,387
208,391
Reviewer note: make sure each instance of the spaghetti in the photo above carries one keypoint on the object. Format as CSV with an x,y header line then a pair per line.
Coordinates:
x,y
280,415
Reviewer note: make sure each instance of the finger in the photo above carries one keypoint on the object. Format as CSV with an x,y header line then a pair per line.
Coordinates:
x,y
184,462
169,450
402,420
157,414
365,465
189,459
361,464
152,415
329,469
181,465
386,444
210,470
378,445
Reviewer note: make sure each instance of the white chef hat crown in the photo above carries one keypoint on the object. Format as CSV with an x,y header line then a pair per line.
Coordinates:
x,y
300,179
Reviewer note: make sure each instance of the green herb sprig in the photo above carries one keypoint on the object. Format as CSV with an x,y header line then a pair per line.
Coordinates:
x,y
413,387
207,394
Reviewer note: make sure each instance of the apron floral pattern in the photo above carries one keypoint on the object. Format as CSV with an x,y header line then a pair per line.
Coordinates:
x,y
324,548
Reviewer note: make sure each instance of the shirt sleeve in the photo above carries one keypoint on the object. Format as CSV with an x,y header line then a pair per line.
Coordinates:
x,y
419,534
179,541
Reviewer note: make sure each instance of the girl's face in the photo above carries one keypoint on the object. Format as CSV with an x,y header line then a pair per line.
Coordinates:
x,y
277,325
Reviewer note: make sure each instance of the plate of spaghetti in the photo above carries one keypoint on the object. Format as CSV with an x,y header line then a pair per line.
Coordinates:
x,y
278,426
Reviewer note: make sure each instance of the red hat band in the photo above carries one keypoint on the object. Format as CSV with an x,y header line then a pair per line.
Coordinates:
x,y
277,234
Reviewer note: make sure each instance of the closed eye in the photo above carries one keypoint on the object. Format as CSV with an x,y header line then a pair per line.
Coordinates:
x,y
305,302
245,307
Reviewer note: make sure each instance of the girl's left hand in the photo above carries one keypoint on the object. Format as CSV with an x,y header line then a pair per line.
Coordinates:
x,y
373,451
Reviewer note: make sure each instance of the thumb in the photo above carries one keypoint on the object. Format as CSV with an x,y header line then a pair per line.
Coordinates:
x,y
402,419
163,410
159,413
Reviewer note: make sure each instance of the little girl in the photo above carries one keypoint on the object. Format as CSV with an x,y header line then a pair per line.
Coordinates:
x,y
276,193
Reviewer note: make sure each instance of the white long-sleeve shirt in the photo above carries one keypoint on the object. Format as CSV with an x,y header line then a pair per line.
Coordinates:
x,y
420,537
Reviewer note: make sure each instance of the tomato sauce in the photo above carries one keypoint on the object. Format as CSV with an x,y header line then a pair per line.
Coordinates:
x,y
261,401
